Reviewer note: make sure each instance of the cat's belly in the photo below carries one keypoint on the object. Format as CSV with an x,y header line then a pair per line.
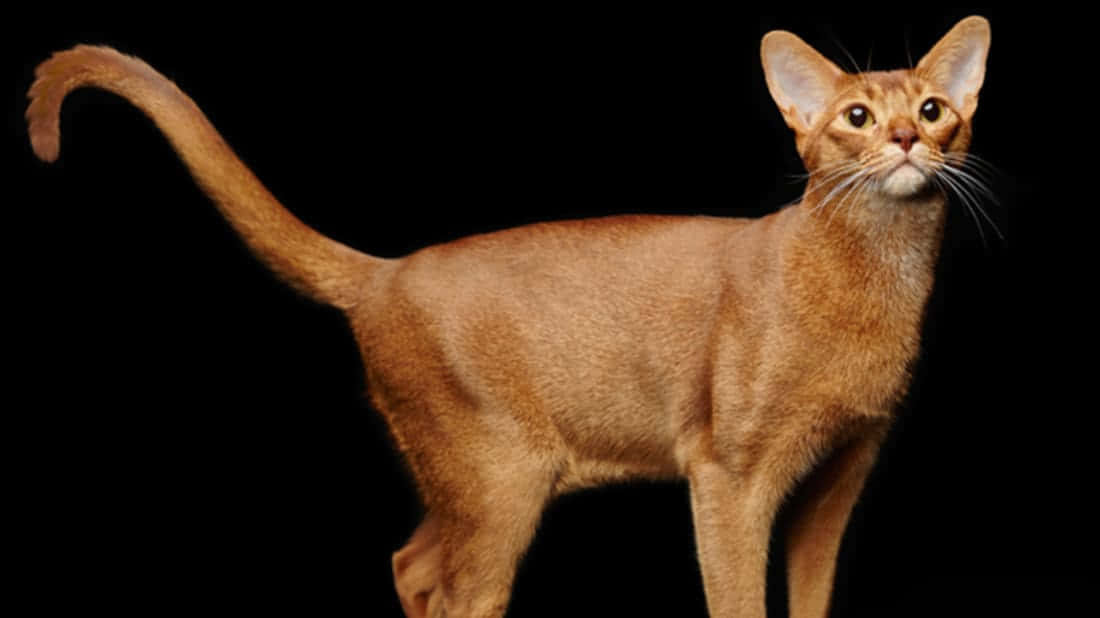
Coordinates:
x,y
610,414
631,435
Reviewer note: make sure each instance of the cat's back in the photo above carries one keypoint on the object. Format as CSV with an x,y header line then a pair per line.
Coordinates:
x,y
564,258
555,245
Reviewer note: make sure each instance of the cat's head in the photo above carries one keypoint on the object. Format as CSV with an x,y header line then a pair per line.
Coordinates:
x,y
895,129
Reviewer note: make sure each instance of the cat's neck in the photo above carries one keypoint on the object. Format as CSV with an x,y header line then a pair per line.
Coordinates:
x,y
887,234
866,265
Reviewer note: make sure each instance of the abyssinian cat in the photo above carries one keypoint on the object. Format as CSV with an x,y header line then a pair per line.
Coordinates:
x,y
747,356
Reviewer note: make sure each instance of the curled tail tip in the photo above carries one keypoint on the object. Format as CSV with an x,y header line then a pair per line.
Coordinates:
x,y
43,124
46,147
54,79
52,82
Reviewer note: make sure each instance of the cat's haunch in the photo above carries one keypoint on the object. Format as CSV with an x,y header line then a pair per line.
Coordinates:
x,y
748,356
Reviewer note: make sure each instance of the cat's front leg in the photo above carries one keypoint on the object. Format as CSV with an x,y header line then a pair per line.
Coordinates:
x,y
733,516
820,515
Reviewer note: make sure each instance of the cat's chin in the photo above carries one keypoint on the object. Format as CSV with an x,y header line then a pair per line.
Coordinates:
x,y
904,181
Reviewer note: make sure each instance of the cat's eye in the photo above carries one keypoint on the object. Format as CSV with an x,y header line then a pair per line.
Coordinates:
x,y
931,110
859,116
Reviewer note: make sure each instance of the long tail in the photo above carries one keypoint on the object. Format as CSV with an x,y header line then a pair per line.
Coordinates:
x,y
317,266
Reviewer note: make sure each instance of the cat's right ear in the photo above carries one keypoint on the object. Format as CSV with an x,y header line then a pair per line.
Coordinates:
x,y
801,81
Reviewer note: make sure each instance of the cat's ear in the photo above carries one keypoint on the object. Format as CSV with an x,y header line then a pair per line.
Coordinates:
x,y
801,81
956,64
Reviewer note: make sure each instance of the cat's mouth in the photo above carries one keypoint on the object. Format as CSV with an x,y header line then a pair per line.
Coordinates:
x,y
905,178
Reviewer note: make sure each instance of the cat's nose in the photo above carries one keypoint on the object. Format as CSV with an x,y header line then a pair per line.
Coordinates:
x,y
904,137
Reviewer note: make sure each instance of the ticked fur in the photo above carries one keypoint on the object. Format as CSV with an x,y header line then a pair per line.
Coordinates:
x,y
742,355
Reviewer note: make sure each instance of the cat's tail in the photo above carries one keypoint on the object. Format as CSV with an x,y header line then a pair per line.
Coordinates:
x,y
317,266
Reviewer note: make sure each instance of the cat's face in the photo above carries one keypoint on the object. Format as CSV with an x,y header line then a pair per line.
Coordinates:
x,y
896,127
893,132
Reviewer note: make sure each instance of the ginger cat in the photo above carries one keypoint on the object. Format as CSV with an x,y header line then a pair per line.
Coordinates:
x,y
747,356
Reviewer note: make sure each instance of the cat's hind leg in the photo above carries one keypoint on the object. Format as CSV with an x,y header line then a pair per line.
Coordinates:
x,y
416,571
484,478
483,539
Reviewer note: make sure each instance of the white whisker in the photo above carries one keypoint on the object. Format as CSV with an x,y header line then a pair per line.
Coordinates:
x,y
843,184
969,196
971,160
979,173
859,190
944,186
976,184
834,170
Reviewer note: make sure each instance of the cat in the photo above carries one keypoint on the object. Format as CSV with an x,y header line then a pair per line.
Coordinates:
x,y
747,356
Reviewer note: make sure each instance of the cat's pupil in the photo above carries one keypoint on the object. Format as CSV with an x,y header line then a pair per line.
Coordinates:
x,y
930,110
857,116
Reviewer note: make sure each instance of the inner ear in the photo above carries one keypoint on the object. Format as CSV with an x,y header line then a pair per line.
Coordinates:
x,y
801,80
956,64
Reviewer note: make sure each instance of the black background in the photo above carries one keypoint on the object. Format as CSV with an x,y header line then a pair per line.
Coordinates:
x,y
184,434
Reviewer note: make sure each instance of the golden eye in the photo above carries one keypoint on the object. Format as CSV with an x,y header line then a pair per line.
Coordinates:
x,y
858,116
931,110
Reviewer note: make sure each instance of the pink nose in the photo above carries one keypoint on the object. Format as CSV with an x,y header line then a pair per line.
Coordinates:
x,y
904,137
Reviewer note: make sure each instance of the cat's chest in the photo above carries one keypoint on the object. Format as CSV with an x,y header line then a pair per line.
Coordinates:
x,y
863,375
850,343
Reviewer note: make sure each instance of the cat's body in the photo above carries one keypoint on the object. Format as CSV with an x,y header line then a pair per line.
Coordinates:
x,y
611,355
740,354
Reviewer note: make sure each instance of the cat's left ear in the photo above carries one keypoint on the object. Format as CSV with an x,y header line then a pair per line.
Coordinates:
x,y
956,64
